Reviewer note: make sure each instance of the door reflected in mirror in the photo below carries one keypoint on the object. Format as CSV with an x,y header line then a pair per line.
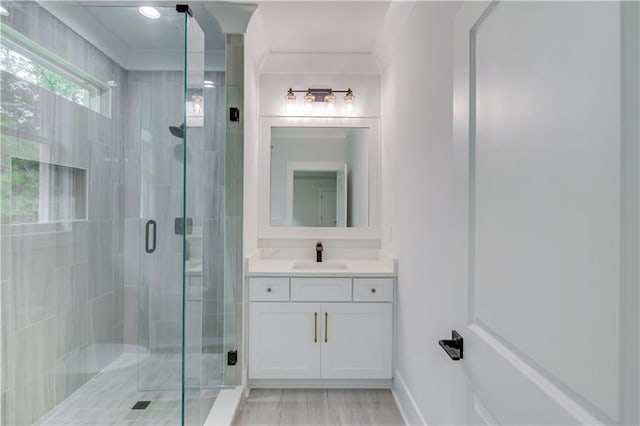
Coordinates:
x,y
319,177
316,194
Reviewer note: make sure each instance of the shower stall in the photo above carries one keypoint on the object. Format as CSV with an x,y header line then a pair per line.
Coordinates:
x,y
121,212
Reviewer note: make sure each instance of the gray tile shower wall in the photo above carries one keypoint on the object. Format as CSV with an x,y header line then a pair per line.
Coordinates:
x,y
63,283
153,169
153,176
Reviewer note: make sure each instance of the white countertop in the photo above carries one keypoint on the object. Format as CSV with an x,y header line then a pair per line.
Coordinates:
x,y
340,263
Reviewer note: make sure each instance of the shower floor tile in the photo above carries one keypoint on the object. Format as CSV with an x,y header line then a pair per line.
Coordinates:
x,y
108,398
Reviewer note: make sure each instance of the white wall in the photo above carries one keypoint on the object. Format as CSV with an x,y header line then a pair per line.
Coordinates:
x,y
255,50
418,178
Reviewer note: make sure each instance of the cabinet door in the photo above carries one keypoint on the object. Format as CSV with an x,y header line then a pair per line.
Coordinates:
x,y
283,340
356,340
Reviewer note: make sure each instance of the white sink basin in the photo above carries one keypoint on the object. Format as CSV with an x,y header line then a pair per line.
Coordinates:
x,y
320,266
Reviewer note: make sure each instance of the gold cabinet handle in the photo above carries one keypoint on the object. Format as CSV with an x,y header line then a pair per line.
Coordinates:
x,y
326,322
268,289
373,290
315,327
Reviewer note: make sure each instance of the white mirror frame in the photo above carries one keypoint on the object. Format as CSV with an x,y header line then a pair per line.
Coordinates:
x,y
266,231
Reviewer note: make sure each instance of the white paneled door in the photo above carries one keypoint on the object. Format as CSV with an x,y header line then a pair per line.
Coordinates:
x,y
546,132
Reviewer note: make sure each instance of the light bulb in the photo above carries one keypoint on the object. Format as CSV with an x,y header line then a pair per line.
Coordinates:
x,y
349,102
196,105
290,108
308,107
349,108
330,99
290,102
309,99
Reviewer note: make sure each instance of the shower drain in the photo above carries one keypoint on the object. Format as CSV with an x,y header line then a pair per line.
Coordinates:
x,y
141,405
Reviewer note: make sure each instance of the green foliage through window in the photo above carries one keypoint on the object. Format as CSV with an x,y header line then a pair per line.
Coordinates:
x,y
26,65
39,192
25,190
33,72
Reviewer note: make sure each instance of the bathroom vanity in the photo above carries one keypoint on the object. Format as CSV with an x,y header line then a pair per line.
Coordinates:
x,y
328,323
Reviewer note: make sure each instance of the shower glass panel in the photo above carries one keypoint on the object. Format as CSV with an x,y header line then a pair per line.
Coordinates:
x,y
202,362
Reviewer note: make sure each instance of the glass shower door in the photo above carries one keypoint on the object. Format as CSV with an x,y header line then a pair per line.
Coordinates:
x,y
158,109
174,361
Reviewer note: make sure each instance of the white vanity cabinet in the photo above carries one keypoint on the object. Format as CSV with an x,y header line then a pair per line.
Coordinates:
x,y
282,343
356,341
328,328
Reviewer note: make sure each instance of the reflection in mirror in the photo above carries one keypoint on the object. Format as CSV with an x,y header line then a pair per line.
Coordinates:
x,y
319,177
316,194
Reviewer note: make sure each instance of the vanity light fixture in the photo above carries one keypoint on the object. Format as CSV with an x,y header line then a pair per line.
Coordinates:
x,y
195,111
3,11
149,12
313,96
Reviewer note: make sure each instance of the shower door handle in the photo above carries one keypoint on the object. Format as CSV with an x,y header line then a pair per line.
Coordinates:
x,y
147,243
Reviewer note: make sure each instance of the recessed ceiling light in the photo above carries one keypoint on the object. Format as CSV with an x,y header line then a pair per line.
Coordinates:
x,y
3,11
149,12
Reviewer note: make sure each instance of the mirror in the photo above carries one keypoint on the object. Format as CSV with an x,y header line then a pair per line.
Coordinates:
x,y
319,177
301,157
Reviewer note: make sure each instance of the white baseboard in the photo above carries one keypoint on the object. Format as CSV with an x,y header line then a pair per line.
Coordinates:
x,y
405,402
225,407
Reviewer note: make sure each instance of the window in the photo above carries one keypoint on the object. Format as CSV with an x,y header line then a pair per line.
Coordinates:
x,y
32,63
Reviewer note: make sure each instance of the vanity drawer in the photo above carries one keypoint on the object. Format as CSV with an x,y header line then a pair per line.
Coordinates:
x,y
274,289
321,289
373,289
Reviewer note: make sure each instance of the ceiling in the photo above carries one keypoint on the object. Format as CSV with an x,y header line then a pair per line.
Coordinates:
x,y
167,32
322,26
298,26
137,42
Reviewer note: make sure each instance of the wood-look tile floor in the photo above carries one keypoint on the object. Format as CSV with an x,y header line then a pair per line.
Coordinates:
x,y
319,407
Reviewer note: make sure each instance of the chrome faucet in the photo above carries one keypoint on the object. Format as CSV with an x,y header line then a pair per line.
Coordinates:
x,y
319,249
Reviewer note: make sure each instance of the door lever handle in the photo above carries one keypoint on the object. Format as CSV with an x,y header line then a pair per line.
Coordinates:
x,y
453,347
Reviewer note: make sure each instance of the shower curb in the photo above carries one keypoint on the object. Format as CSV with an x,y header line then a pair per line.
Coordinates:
x,y
224,408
